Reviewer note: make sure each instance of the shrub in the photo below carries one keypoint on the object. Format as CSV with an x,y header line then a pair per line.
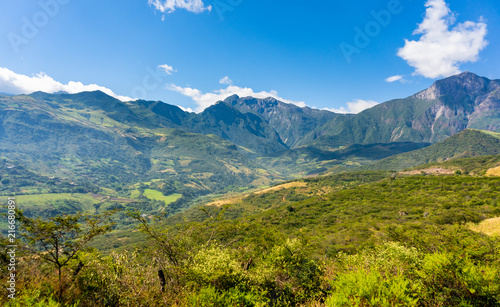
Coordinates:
x,y
297,274
210,296
451,280
216,267
372,288
377,277
35,299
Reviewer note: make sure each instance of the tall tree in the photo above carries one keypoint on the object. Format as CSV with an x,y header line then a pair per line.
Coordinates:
x,y
59,239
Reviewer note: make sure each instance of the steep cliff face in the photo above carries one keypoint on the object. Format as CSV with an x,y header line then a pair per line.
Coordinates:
x,y
462,101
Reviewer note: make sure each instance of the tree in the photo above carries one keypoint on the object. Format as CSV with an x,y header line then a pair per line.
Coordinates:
x,y
59,239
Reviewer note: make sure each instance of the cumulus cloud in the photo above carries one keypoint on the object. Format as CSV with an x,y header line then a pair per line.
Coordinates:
x,y
226,80
169,6
394,79
11,82
354,107
204,100
440,50
167,69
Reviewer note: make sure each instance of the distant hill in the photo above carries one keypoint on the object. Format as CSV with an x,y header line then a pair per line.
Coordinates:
x,y
310,160
468,143
481,165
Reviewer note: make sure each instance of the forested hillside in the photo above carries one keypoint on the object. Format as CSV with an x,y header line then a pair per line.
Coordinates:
x,y
368,238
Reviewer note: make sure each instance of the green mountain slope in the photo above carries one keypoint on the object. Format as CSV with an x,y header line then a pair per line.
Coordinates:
x,y
291,122
94,137
244,129
351,210
241,142
446,108
352,217
310,160
476,165
468,143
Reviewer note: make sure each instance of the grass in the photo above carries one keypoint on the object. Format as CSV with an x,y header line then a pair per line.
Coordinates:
x,y
156,195
490,227
493,171
26,201
135,193
36,204
495,134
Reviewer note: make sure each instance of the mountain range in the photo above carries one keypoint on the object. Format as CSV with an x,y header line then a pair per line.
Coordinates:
x,y
239,142
446,108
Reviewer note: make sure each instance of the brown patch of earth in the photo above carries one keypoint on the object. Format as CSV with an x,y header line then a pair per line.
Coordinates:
x,y
235,199
103,198
430,171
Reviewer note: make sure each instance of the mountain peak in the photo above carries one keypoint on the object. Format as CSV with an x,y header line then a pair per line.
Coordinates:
x,y
94,94
231,98
458,86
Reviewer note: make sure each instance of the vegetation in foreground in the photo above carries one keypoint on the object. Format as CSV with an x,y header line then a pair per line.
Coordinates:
x,y
301,246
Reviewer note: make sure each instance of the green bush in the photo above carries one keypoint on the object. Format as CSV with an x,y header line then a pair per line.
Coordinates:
x,y
372,288
297,276
377,277
215,266
452,280
210,296
35,299
391,257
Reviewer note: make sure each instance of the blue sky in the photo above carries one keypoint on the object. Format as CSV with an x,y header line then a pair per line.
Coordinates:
x,y
325,54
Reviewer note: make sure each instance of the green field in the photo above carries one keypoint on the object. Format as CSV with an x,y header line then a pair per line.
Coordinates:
x,y
155,195
47,200
44,205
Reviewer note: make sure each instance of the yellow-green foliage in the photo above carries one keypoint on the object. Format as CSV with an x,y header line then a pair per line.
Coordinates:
x,y
46,200
215,266
125,279
156,195
378,277
390,257
35,299
455,280
393,275
490,227
372,288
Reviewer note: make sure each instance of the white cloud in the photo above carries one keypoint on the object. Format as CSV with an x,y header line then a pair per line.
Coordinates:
x,y
441,50
169,6
394,79
11,82
204,100
167,69
226,80
186,109
354,107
